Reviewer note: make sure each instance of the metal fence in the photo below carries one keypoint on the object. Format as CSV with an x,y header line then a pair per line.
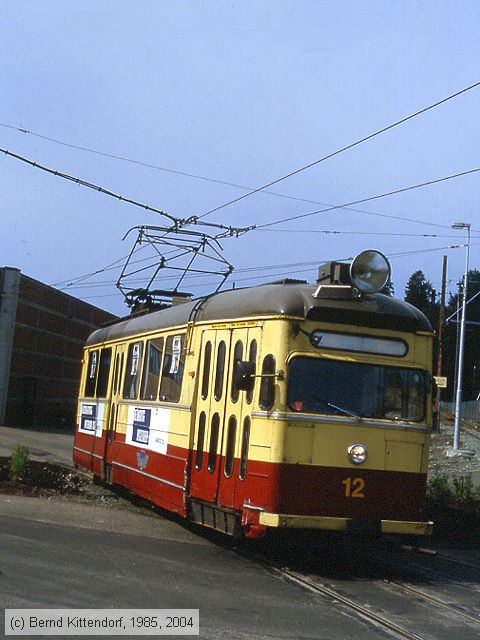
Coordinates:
x,y
470,410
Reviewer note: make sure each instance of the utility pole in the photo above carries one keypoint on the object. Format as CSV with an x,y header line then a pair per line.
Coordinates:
x,y
441,317
458,396
457,337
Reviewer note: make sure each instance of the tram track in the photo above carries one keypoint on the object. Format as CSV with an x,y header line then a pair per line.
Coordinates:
x,y
473,566
415,564
461,563
418,593
364,612
398,608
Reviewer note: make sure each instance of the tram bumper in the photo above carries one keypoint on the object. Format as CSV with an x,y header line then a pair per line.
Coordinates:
x,y
328,523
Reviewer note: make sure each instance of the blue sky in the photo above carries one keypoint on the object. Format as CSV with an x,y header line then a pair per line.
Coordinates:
x,y
241,92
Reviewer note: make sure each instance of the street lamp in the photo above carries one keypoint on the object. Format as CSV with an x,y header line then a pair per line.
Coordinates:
x,y
458,398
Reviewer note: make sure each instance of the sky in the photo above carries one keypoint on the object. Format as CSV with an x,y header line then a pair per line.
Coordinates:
x,y
242,93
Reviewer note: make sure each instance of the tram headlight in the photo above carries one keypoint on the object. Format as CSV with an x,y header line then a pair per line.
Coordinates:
x,y
370,271
357,453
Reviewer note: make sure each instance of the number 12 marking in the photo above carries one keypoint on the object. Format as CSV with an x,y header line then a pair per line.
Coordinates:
x,y
354,487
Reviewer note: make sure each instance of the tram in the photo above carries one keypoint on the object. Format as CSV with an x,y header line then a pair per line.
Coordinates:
x,y
285,405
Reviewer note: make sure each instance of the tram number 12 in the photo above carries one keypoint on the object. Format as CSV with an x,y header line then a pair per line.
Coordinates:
x,y
354,487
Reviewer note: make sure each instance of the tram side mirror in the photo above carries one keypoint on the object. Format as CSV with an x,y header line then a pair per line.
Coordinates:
x,y
244,377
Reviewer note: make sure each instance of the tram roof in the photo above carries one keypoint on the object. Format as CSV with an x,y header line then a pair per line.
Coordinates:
x,y
290,300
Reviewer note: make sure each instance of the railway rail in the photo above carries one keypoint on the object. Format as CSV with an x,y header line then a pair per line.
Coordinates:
x,y
364,612
370,612
475,566
370,586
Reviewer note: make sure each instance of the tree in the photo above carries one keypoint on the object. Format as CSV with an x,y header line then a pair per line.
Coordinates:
x,y
420,292
471,372
388,289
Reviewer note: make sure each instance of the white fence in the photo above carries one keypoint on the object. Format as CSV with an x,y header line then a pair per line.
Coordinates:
x,y
470,410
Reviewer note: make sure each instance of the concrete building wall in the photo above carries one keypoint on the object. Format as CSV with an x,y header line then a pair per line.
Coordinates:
x,y
49,333
9,288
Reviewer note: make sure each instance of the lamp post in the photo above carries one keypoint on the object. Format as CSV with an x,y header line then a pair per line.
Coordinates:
x,y
458,397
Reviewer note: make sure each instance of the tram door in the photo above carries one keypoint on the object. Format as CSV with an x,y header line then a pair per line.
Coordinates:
x,y
238,409
220,414
115,395
210,416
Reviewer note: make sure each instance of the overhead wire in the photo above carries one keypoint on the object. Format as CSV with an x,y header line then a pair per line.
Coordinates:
x,y
306,267
370,199
73,280
190,175
243,196
112,265
231,230
265,226
416,251
304,270
363,233
341,150
89,185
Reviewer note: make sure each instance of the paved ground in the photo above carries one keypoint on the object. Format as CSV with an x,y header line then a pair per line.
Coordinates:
x,y
58,554
49,446
57,447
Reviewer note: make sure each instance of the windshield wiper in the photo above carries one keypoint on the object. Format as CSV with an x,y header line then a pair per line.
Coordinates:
x,y
347,412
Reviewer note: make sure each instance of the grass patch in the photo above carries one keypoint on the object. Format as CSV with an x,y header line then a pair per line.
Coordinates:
x,y
18,463
458,492
454,506
21,476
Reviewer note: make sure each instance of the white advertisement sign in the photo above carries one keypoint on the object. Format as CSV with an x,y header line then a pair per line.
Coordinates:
x,y
148,427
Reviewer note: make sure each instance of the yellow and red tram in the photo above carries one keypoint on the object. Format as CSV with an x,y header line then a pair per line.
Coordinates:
x,y
282,405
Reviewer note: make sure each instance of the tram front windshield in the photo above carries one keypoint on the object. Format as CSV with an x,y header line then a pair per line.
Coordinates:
x,y
357,390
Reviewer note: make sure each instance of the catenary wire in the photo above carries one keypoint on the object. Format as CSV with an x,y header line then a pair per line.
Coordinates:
x,y
89,185
72,282
193,175
178,221
343,149
370,199
297,271
306,268
364,233
86,276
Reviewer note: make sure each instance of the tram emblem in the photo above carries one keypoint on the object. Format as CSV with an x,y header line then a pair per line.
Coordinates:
x,y
142,459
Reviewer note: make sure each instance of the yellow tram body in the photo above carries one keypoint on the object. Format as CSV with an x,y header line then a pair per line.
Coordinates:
x,y
169,417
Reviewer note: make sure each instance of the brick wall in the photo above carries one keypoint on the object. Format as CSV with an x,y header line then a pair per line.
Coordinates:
x,y
51,328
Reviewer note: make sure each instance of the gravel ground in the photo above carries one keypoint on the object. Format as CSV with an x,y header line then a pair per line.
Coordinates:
x,y
441,463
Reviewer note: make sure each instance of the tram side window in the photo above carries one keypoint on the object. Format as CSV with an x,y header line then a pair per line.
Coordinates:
x,y
220,370
231,437
237,356
91,380
207,359
267,386
132,373
173,365
115,377
103,372
245,443
200,440
252,357
151,369
212,452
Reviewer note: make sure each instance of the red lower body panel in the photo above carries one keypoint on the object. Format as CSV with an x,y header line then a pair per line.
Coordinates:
x,y
349,493
274,488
